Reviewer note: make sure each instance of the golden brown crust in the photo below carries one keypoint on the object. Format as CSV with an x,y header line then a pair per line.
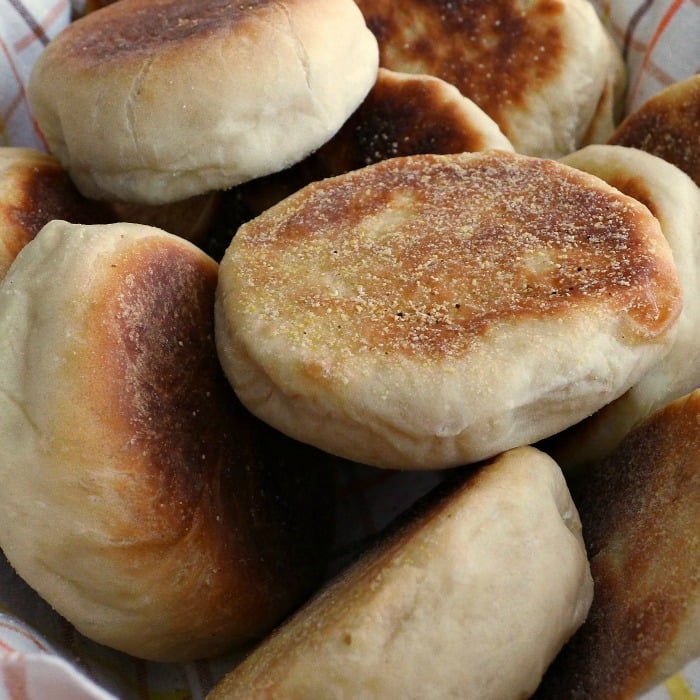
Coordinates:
x,y
667,125
402,115
448,39
539,69
181,526
34,189
235,482
137,29
443,249
641,524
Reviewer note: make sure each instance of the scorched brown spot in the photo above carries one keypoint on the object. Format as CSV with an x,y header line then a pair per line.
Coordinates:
x,y
401,120
161,339
142,28
256,503
667,126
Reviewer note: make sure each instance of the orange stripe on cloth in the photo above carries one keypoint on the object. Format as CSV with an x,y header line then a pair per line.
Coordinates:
x,y
6,648
660,29
15,681
20,98
21,632
12,104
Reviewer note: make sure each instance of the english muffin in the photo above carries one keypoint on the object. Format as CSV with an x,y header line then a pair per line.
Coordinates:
x,y
139,498
543,70
471,597
434,310
153,101
640,509
674,199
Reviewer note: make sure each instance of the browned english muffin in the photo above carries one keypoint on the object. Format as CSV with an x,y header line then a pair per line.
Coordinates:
x,y
34,189
667,125
674,199
154,101
139,498
640,510
470,596
546,71
432,310
402,115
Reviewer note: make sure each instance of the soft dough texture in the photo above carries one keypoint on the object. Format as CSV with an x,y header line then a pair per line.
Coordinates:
x,y
138,497
640,509
674,199
471,598
546,71
159,100
429,311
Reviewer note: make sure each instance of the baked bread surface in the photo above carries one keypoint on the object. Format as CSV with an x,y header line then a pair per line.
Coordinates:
x,y
545,71
667,125
674,199
471,597
139,498
641,523
428,311
154,101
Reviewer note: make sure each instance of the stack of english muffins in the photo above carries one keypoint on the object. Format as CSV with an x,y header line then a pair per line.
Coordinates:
x,y
269,241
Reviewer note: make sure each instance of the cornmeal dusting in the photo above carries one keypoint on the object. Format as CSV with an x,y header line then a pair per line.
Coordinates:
x,y
421,255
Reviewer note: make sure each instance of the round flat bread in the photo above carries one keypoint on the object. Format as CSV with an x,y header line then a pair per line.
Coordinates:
x,y
668,126
403,114
540,69
434,310
471,598
674,199
139,498
640,509
155,101
34,189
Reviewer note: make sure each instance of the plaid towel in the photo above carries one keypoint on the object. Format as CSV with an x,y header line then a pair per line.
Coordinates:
x,y
26,26
660,41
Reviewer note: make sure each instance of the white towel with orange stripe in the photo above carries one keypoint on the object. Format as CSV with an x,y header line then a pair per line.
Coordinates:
x,y
26,26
